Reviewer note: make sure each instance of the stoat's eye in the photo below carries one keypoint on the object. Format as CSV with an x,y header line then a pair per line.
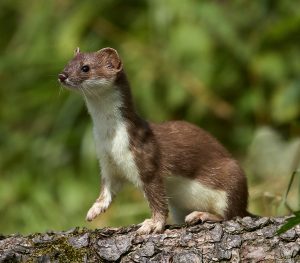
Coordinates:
x,y
85,68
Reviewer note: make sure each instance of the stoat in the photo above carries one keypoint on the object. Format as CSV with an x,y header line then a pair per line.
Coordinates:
x,y
177,165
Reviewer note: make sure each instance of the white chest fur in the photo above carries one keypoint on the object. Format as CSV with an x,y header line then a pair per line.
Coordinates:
x,y
112,138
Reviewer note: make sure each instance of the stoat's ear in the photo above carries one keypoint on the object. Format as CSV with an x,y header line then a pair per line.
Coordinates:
x,y
110,58
76,51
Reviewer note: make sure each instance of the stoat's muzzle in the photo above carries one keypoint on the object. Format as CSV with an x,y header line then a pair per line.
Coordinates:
x,y
62,77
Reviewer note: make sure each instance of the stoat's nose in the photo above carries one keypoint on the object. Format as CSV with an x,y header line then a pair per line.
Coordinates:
x,y
62,77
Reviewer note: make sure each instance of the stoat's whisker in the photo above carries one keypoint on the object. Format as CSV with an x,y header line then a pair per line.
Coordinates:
x,y
83,93
60,90
91,91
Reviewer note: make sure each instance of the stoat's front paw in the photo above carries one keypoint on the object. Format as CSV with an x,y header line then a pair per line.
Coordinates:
x,y
151,226
95,210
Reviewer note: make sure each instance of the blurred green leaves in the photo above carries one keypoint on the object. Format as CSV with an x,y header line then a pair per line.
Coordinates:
x,y
228,66
285,104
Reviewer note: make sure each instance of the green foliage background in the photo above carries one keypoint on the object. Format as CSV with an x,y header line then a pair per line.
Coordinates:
x,y
228,66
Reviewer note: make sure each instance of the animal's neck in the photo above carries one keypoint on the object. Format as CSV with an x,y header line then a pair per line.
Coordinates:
x,y
113,107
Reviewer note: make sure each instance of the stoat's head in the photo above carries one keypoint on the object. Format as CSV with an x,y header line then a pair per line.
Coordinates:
x,y
96,70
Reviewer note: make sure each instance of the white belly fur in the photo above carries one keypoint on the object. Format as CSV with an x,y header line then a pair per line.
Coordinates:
x,y
186,195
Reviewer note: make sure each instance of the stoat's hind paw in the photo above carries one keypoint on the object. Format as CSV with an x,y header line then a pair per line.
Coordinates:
x,y
200,217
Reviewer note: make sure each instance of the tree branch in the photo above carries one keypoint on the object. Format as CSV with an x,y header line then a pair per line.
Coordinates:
x,y
243,239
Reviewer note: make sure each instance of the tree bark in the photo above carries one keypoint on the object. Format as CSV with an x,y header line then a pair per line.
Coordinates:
x,y
240,240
